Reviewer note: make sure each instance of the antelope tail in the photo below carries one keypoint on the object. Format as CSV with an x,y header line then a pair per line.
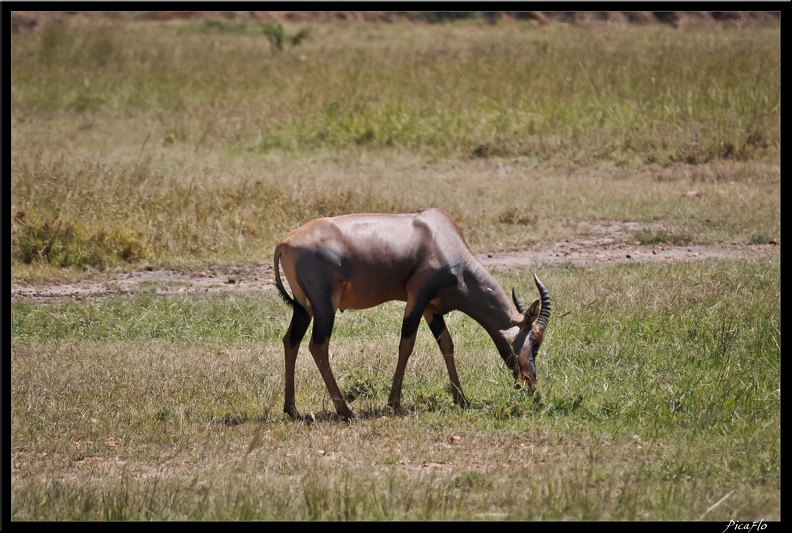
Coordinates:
x,y
278,283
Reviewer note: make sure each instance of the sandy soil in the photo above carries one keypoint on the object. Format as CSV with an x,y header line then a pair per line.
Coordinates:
x,y
607,244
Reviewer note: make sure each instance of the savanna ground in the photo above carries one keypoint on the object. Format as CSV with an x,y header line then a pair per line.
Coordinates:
x,y
611,246
155,164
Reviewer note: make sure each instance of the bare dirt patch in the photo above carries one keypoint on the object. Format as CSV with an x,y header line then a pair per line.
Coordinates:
x,y
607,243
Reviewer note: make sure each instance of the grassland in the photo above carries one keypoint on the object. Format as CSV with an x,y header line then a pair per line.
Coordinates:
x,y
180,141
148,144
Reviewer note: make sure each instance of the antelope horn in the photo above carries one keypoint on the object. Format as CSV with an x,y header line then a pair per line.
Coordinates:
x,y
518,302
544,314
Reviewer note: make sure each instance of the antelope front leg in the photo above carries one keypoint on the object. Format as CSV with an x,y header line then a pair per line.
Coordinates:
x,y
412,318
443,338
405,350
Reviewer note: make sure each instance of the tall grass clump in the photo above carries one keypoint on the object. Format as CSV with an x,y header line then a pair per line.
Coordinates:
x,y
101,214
95,215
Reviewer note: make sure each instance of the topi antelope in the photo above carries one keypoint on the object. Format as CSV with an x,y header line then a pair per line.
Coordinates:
x,y
359,261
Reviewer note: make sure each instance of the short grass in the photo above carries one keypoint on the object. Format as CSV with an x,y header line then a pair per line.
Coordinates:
x,y
659,394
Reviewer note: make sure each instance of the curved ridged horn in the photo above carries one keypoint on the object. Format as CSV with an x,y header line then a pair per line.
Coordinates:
x,y
518,302
544,314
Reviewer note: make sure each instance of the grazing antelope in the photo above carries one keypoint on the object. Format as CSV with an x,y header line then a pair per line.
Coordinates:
x,y
362,260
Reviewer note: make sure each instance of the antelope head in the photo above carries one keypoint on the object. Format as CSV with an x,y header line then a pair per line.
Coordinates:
x,y
529,338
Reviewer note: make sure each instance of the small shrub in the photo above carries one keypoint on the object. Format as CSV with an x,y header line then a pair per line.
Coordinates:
x,y
52,41
512,215
86,102
359,387
65,243
757,238
648,237
277,36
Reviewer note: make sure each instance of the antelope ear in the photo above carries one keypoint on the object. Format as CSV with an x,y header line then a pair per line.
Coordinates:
x,y
531,314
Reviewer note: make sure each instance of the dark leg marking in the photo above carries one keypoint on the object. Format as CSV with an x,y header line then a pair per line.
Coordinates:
x,y
438,327
291,344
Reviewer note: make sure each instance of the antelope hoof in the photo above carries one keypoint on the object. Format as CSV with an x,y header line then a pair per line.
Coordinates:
x,y
346,415
396,408
291,411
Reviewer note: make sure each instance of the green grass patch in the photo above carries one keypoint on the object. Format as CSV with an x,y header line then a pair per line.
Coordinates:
x,y
654,95
657,396
149,316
